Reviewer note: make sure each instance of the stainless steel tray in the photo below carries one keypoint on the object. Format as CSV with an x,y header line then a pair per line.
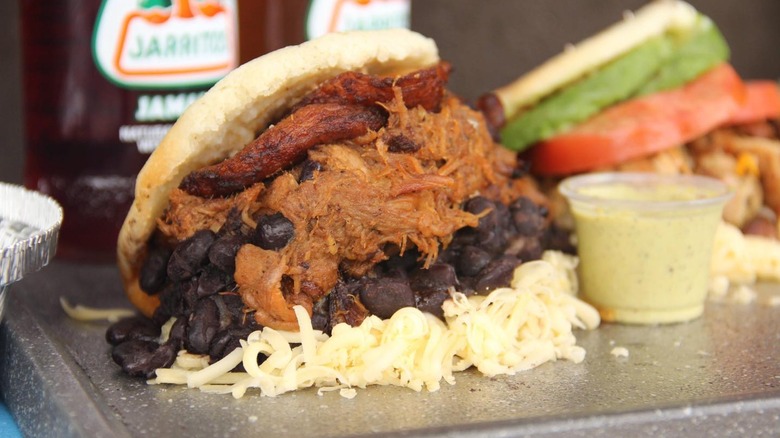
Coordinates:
x,y
717,376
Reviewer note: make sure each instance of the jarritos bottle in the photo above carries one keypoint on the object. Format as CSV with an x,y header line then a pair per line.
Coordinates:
x,y
103,82
267,25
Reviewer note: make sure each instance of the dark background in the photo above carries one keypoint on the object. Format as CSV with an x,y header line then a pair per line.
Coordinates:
x,y
489,43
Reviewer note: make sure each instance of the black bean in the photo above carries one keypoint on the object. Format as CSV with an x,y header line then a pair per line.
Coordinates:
x,y
497,273
431,302
494,242
307,170
465,236
228,340
384,296
178,333
504,217
344,305
189,295
404,261
134,327
160,315
273,232
235,306
224,313
396,274
558,239
525,247
438,277
451,254
171,304
218,344
222,253
467,285
478,204
472,260
493,227
211,281
203,324
190,255
319,318
527,217
248,319
154,270
497,228
141,358
402,144
234,224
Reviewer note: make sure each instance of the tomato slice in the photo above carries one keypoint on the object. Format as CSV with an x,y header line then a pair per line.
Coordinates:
x,y
643,125
762,102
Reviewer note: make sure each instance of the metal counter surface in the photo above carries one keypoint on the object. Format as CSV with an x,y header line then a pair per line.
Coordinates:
x,y
716,376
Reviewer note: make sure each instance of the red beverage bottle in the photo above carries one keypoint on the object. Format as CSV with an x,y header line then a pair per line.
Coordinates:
x,y
267,25
105,79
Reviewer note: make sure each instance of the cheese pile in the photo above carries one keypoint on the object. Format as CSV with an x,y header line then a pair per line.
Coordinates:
x,y
509,330
740,260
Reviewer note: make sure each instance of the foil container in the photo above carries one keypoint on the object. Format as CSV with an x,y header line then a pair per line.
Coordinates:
x,y
29,227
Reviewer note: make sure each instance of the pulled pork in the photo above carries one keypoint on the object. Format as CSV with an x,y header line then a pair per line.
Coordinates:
x,y
391,190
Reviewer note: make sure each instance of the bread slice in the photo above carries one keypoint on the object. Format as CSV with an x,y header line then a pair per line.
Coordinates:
x,y
242,105
654,19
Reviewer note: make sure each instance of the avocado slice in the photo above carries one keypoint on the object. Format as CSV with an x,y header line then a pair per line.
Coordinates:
x,y
614,82
661,63
695,54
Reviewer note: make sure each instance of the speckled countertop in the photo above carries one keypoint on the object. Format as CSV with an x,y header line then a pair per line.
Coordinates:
x,y
717,376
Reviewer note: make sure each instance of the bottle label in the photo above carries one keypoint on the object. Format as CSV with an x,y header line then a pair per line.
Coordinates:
x,y
166,43
326,16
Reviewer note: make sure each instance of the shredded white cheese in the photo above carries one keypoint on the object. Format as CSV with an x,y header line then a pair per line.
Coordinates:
x,y
511,329
619,352
745,294
739,261
719,287
744,259
165,330
83,313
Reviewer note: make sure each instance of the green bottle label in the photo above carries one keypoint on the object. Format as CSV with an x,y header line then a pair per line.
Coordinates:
x,y
165,43
326,16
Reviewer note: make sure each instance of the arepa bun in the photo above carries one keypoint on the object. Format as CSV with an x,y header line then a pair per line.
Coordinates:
x,y
652,20
240,106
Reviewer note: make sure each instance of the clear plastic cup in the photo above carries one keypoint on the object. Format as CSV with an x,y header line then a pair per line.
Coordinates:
x,y
645,241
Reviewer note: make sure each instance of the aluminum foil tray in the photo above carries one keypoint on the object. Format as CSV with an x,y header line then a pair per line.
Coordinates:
x,y
717,376
29,228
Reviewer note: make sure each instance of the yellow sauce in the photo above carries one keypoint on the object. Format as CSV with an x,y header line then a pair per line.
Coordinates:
x,y
645,265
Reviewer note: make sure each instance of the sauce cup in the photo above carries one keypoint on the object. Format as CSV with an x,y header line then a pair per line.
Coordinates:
x,y
645,241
